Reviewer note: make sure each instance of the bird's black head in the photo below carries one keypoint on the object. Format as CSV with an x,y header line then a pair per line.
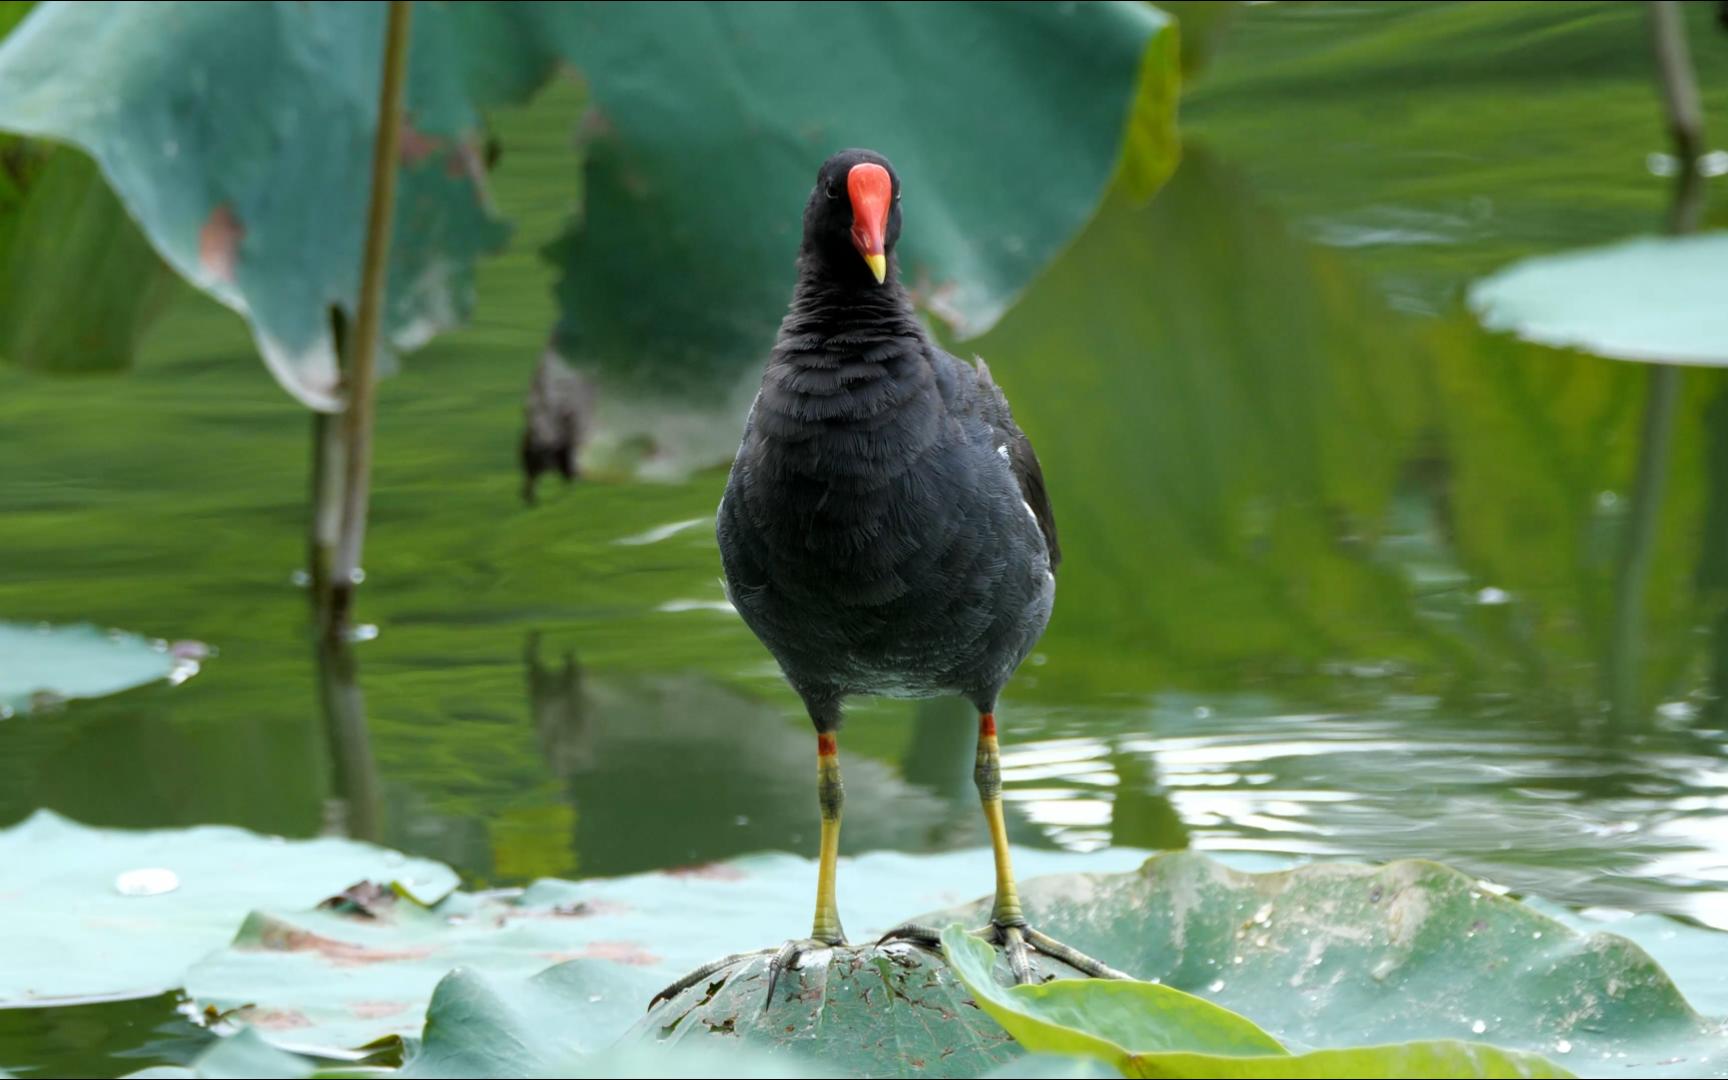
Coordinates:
x,y
852,220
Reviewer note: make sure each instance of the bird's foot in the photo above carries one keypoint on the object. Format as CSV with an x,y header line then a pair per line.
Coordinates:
x,y
786,958
1018,942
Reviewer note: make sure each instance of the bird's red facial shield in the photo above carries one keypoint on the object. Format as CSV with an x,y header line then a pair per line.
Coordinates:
x,y
872,193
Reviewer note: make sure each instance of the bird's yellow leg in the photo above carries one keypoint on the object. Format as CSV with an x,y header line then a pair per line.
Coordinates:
x,y
988,775
830,795
1007,926
825,928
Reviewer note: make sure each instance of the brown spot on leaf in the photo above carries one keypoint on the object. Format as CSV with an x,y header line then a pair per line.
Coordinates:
x,y
376,1010
619,952
219,243
416,146
707,872
279,936
275,1019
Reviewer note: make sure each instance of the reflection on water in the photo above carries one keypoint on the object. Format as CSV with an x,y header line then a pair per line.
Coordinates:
x,y
716,774
1627,821
355,807
125,1036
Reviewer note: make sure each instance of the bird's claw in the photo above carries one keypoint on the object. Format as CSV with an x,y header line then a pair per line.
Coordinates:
x,y
784,959
1018,942
787,958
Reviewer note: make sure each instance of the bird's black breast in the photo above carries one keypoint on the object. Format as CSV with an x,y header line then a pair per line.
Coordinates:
x,y
875,533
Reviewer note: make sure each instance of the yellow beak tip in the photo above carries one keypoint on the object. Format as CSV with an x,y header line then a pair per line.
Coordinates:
x,y
879,266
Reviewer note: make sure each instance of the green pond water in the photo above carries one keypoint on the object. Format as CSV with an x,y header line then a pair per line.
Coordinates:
x,y
1344,575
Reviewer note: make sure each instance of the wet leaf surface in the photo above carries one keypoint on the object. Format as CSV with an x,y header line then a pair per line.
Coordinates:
x,y
41,666
77,922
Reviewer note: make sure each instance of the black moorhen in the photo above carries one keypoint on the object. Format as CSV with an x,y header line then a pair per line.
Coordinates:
x,y
885,529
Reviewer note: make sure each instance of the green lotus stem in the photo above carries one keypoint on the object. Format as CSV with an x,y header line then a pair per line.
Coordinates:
x,y
361,374
1684,112
1685,117
328,452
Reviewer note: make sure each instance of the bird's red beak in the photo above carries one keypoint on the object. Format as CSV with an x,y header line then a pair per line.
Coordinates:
x,y
872,192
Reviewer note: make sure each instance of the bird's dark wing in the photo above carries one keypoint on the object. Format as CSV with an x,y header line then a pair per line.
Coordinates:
x,y
1021,458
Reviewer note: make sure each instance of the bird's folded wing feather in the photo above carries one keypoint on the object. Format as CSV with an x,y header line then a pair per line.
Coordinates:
x,y
1021,457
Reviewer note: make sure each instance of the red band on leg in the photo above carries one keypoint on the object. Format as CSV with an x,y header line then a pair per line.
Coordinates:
x,y
986,725
827,745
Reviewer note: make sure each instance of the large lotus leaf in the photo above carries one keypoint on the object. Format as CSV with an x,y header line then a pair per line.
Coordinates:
x,y
44,663
1653,298
1331,956
1005,122
81,284
480,1025
1145,1029
241,1056
545,1026
892,1010
342,976
90,913
504,1028
239,137
1691,954
1120,1019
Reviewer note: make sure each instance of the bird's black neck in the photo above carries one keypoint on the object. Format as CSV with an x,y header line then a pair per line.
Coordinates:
x,y
841,315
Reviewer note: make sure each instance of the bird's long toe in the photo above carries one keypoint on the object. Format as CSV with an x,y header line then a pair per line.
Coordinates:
x,y
915,933
790,956
1018,942
706,971
1019,963
1069,955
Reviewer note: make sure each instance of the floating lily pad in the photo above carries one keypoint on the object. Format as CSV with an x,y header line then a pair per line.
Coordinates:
x,y
1340,956
494,1037
1655,298
335,977
46,664
1331,958
1146,1029
1326,959
872,1011
108,913
332,978
1691,954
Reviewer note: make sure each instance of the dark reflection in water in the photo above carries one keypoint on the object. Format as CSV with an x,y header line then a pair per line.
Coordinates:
x,y
99,1040
718,775
355,807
